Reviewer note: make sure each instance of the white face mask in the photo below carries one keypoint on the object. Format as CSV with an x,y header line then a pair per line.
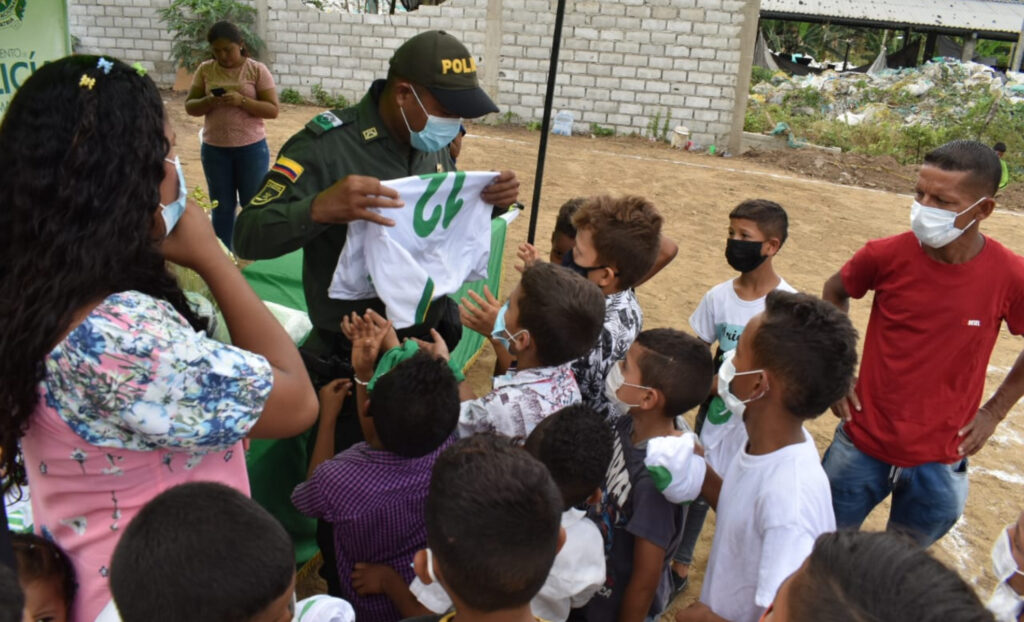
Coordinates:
x,y
172,211
613,383
936,227
1005,604
725,375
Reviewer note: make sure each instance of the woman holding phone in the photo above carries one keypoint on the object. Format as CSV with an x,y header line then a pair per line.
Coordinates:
x,y
235,93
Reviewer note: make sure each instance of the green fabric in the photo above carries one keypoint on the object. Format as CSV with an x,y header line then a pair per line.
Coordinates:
x,y
397,354
1005,179
277,466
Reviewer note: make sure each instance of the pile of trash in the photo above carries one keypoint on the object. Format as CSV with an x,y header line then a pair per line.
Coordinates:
x,y
939,91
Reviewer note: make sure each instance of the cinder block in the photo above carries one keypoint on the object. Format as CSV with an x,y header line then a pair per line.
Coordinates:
x,y
621,71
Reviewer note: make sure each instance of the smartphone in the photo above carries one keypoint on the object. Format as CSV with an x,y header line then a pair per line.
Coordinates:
x,y
218,92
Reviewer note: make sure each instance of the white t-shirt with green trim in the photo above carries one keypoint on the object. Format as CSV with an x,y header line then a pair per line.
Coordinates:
x,y
441,239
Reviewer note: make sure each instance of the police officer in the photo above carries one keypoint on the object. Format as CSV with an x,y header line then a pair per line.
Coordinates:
x,y
329,174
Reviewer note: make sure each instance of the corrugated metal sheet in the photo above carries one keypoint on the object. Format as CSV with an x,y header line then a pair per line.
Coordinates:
x,y
970,15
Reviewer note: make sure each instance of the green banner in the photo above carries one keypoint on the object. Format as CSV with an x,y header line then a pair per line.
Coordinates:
x,y
32,32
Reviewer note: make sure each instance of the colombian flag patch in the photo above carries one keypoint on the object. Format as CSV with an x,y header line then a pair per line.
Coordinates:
x,y
288,167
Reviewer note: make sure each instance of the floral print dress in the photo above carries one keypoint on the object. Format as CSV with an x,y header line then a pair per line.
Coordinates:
x,y
134,401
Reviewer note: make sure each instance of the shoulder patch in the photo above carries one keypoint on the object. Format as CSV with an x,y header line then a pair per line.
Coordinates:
x,y
288,167
323,122
370,133
270,191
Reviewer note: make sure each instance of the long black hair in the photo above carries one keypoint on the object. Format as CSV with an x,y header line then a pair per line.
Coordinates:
x,y
82,150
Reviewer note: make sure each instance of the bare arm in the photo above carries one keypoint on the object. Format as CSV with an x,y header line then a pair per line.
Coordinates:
x,y
291,406
712,487
332,397
264,106
648,560
667,251
835,292
198,103
382,579
976,433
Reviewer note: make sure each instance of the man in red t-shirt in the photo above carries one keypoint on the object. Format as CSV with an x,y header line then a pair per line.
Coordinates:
x,y
941,292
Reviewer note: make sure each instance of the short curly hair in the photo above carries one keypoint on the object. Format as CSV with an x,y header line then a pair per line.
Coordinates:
x,y
811,346
575,444
626,234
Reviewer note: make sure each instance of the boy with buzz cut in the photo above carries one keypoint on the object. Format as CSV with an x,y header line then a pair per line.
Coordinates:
x,y
617,244
373,493
204,551
664,374
757,230
552,318
493,516
790,364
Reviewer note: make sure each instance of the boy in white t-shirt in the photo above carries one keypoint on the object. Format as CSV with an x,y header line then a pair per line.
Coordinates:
x,y
790,364
757,230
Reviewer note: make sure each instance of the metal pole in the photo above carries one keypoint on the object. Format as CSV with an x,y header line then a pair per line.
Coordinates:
x,y
545,124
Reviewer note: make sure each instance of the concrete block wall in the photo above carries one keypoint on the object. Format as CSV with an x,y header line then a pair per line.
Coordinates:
x,y
127,29
622,62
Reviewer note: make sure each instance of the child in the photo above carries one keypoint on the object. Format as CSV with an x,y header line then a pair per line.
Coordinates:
x,y
10,595
563,237
373,493
852,576
790,364
203,551
1007,600
575,445
757,231
665,373
492,529
617,243
552,318
46,576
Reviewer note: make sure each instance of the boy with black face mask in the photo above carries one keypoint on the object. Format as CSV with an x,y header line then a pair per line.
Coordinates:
x,y
757,230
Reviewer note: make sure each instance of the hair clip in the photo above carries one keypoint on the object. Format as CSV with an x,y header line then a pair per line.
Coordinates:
x,y
86,81
105,65
139,69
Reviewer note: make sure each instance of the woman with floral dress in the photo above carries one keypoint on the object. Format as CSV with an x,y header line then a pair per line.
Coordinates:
x,y
111,391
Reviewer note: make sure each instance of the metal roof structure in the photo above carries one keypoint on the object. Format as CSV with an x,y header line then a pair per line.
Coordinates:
x,y
992,19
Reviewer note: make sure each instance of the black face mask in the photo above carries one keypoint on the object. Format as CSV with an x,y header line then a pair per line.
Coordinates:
x,y
744,255
569,262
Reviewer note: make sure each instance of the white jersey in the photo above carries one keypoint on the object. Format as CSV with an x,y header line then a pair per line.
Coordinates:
x,y
441,239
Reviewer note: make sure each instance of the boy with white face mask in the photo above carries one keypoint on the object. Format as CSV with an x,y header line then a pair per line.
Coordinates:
x,y
552,317
664,374
773,500
941,292
1007,600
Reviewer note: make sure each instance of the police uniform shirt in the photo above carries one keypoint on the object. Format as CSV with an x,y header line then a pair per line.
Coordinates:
x,y
353,141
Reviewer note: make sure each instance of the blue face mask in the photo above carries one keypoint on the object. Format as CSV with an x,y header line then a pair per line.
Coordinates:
x,y
172,212
436,134
500,333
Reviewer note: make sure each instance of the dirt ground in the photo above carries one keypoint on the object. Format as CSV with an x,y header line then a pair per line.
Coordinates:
x,y
828,222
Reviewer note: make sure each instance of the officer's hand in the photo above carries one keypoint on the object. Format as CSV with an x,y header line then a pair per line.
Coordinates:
x,y
351,198
503,191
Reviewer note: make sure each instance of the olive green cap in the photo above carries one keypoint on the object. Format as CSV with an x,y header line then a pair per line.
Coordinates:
x,y
438,61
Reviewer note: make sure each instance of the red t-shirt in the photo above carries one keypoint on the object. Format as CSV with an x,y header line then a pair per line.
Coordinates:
x,y
929,339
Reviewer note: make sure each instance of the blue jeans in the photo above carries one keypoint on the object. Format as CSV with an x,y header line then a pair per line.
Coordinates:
x,y
233,175
927,499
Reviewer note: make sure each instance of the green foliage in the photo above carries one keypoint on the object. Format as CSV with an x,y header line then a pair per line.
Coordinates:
x,y
190,20
533,126
509,118
759,75
597,130
656,128
325,99
291,96
804,97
